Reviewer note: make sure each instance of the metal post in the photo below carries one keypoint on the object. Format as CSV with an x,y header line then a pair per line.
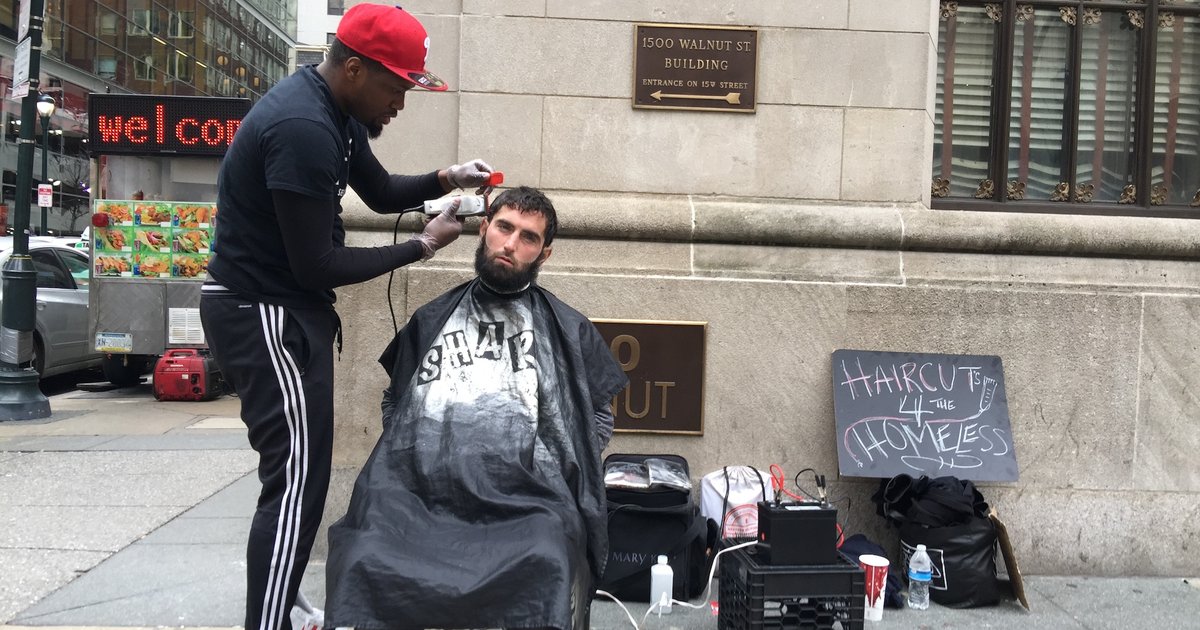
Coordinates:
x,y
45,159
20,398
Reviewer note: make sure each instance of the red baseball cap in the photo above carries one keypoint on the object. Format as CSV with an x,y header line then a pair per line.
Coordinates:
x,y
393,37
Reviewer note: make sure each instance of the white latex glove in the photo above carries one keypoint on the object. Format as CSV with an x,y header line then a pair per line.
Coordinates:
x,y
472,174
441,230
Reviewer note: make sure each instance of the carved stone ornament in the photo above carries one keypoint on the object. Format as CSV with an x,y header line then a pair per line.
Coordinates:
x,y
1136,18
940,187
1016,190
1128,194
1083,193
1068,14
1024,12
1062,192
949,10
1166,20
994,11
986,190
1195,200
1158,195
1091,17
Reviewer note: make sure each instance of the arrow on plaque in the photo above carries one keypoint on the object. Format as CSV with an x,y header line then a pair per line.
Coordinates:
x,y
733,98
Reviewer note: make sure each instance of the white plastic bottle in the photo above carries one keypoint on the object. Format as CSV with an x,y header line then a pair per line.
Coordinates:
x,y
920,573
662,581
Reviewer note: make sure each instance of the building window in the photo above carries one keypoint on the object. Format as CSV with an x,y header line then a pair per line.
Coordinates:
x,y
108,23
179,67
1070,107
142,22
106,67
181,24
336,7
329,38
143,69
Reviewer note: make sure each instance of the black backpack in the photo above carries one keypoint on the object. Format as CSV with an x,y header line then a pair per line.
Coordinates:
x,y
644,523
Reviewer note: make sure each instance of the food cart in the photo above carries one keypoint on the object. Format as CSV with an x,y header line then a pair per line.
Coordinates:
x,y
154,166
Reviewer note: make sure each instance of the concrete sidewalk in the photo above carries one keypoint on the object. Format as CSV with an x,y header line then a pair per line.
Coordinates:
x,y
121,511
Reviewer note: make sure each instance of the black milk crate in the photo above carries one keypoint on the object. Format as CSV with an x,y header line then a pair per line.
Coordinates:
x,y
765,597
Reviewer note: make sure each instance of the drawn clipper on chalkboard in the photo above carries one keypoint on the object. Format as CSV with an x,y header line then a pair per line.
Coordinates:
x,y
985,398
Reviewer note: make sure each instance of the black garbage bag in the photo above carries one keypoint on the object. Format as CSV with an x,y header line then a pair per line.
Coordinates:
x,y
936,502
964,561
950,517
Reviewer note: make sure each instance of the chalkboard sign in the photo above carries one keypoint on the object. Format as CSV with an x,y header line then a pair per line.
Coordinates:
x,y
922,414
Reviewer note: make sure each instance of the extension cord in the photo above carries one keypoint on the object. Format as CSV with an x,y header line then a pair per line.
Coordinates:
x,y
471,206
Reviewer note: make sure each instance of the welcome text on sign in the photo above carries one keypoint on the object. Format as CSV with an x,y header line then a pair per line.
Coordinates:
x,y
142,124
137,129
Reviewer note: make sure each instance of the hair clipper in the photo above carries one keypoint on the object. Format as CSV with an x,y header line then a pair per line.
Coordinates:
x,y
471,205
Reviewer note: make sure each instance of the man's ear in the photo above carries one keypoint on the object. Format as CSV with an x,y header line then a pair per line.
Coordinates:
x,y
483,226
354,69
546,251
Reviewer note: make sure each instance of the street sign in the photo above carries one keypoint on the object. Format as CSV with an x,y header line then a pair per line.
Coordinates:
x,y
21,63
45,195
23,20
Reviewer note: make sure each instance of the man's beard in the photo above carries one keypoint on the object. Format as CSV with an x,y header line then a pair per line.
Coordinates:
x,y
374,130
503,279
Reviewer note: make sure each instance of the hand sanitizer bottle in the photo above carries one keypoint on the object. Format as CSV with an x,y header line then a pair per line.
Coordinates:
x,y
662,580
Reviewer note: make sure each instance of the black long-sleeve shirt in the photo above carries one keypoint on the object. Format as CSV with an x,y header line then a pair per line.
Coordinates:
x,y
279,236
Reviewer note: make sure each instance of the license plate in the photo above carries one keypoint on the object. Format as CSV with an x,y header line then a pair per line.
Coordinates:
x,y
114,342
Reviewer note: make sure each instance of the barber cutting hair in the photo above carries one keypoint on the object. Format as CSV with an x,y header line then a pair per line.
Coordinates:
x,y
279,251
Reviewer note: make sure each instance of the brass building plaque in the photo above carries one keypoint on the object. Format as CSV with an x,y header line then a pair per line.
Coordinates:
x,y
665,365
708,68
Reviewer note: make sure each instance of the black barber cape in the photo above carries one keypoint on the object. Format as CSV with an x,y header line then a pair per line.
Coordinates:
x,y
482,505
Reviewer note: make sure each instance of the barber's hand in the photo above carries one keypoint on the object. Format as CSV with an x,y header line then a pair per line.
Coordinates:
x,y
442,230
472,174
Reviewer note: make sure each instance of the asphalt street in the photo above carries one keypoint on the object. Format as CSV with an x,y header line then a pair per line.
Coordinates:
x,y
121,511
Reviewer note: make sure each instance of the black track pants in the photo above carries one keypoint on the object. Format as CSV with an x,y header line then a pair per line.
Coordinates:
x,y
280,362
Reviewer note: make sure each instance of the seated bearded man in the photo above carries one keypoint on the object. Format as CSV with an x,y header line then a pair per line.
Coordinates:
x,y
482,504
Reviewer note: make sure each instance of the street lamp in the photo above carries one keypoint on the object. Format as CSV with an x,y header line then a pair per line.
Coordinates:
x,y
20,398
45,109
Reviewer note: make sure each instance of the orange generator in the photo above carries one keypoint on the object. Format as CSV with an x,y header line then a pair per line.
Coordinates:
x,y
186,374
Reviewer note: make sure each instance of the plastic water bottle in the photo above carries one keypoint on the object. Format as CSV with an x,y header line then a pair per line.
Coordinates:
x,y
920,573
662,580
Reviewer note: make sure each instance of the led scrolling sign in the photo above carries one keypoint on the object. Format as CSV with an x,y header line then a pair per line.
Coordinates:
x,y
138,124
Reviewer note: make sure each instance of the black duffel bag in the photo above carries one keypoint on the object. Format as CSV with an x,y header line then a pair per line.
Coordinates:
x,y
644,523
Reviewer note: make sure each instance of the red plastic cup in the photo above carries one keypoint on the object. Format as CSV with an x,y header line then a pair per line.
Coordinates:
x,y
875,570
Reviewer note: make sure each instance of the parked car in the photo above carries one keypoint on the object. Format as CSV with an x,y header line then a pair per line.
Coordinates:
x,y
60,338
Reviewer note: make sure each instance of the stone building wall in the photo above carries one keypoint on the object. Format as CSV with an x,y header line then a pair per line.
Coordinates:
x,y
800,229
